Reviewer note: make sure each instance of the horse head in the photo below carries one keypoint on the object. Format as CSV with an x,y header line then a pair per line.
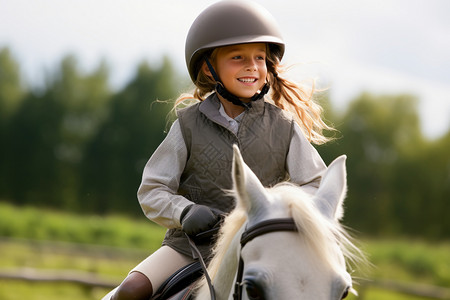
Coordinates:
x,y
306,263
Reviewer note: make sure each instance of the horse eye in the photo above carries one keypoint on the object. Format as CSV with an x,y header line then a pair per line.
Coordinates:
x,y
345,294
254,292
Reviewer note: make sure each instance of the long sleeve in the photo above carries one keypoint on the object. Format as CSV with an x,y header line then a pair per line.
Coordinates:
x,y
303,163
157,193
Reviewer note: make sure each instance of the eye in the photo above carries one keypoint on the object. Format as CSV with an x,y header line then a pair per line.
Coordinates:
x,y
254,291
345,294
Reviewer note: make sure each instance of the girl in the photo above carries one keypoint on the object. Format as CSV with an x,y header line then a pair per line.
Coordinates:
x,y
233,52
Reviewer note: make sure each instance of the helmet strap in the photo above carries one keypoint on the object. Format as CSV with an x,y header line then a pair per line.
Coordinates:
x,y
222,91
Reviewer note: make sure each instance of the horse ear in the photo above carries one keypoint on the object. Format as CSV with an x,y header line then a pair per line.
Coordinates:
x,y
250,191
333,188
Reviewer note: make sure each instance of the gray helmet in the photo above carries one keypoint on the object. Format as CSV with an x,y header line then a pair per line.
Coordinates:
x,y
228,23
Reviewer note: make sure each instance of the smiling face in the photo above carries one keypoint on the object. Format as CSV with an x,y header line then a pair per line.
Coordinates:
x,y
242,68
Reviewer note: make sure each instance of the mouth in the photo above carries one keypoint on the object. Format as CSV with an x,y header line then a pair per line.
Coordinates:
x,y
247,80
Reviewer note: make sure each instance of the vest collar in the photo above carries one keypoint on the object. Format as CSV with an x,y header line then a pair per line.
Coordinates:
x,y
211,105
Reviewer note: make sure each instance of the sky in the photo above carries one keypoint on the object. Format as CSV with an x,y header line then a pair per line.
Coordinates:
x,y
348,46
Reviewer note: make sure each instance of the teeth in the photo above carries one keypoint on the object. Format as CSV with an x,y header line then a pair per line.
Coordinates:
x,y
247,79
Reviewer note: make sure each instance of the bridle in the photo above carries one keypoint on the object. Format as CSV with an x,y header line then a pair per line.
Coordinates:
x,y
261,228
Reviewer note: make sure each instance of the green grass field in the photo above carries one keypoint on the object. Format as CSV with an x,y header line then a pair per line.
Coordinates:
x,y
109,247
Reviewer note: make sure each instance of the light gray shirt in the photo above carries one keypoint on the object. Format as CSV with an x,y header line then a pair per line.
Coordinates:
x,y
233,123
157,193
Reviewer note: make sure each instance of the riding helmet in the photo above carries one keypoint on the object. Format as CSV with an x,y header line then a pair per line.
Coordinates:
x,y
228,23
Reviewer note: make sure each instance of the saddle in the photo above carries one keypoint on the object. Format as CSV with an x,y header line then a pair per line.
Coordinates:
x,y
179,286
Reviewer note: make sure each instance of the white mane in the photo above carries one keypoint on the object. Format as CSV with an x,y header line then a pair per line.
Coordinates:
x,y
321,234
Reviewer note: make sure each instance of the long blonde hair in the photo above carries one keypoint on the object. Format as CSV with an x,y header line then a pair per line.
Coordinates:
x,y
285,94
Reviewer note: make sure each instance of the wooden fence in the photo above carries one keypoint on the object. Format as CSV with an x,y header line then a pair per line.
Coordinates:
x,y
82,278
91,281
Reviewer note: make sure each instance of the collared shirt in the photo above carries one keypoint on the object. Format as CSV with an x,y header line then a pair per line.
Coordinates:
x,y
158,192
234,123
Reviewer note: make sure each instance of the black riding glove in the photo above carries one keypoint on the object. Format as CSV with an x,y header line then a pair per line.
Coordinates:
x,y
197,218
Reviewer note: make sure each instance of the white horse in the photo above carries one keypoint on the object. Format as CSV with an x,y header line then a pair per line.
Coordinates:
x,y
309,263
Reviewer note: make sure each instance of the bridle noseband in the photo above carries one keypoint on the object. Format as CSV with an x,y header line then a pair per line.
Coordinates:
x,y
285,224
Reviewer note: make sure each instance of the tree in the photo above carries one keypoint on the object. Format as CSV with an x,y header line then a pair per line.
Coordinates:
x,y
422,190
11,86
11,94
116,156
48,133
377,133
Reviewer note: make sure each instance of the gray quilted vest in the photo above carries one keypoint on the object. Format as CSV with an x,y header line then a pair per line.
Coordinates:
x,y
263,138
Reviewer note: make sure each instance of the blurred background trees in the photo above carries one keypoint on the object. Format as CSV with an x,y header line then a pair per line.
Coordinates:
x,y
75,144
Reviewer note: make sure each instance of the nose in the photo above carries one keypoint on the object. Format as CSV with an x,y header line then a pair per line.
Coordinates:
x,y
251,64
